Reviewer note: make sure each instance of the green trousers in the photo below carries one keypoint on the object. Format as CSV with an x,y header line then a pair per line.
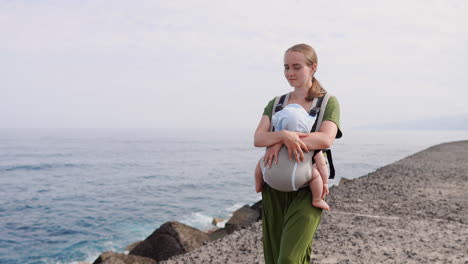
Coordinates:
x,y
289,225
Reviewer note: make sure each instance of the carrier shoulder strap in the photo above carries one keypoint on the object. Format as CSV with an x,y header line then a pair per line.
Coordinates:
x,y
330,164
320,110
280,103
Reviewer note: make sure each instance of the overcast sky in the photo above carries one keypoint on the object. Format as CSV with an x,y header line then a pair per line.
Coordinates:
x,y
105,64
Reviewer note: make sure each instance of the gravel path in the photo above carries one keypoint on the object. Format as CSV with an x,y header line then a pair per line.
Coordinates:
x,y
412,211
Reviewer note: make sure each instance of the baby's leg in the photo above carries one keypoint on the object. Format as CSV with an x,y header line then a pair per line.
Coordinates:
x,y
258,178
316,187
321,164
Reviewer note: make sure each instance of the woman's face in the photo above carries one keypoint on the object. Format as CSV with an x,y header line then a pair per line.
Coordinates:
x,y
296,71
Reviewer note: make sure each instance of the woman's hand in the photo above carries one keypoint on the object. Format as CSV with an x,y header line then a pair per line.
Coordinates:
x,y
322,139
295,145
271,155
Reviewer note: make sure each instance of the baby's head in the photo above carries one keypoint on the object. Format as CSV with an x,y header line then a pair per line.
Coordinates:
x,y
293,118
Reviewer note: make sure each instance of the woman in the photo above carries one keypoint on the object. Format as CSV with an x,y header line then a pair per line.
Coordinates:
x,y
289,219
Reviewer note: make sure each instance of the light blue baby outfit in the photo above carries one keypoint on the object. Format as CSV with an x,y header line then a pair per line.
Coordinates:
x,y
293,117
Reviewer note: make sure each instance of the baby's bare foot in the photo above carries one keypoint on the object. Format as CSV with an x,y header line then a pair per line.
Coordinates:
x,y
321,204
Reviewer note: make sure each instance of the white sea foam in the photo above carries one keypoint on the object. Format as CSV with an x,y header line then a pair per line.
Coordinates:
x,y
234,207
198,220
222,224
91,256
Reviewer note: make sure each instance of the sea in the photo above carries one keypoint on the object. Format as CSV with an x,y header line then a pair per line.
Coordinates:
x,y
67,195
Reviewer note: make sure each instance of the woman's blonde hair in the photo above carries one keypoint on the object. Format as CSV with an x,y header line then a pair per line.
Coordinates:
x,y
316,90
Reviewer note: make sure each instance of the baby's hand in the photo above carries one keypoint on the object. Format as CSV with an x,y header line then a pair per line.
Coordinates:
x,y
271,155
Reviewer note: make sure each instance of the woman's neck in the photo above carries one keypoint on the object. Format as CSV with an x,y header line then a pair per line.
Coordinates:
x,y
299,94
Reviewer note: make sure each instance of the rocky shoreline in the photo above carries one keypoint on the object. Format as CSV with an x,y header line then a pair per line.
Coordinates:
x,y
412,211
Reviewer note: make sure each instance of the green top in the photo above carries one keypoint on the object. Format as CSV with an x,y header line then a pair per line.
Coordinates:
x,y
332,112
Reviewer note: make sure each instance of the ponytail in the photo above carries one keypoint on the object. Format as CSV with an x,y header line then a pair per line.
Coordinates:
x,y
316,90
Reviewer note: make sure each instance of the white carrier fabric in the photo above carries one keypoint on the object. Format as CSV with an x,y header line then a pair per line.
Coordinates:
x,y
289,175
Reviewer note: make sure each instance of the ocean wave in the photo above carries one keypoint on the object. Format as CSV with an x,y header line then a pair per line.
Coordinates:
x,y
36,167
204,222
40,155
64,232
6,243
198,220
153,176
234,207
88,255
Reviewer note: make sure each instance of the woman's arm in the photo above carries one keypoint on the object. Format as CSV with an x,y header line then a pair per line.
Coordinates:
x,y
323,139
264,138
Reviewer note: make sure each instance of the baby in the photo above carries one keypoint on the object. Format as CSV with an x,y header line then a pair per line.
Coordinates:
x,y
294,118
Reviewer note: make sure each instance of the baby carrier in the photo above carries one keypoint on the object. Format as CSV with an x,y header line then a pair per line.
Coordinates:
x,y
289,175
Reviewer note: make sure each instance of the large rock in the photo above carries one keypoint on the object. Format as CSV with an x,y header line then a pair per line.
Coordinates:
x,y
172,238
343,181
217,234
242,218
216,221
132,246
259,207
117,258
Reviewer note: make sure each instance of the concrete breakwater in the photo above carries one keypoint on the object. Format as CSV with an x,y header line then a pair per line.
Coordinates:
x,y
412,211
